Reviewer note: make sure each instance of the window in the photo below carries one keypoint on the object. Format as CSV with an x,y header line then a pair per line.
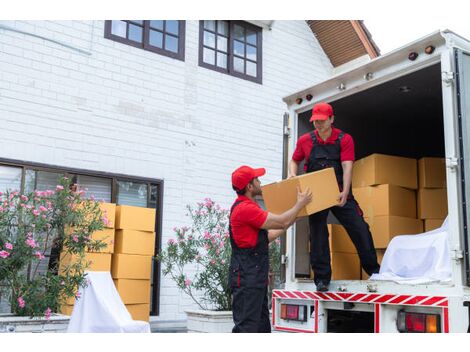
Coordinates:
x,y
232,47
161,36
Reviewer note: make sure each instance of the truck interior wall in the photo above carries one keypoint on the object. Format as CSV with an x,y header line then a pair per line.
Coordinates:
x,y
402,117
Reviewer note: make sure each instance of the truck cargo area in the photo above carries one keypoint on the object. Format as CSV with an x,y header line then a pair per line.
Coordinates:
x,y
402,117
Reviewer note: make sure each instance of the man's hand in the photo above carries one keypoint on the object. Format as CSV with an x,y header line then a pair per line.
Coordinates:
x,y
291,175
342,198
303,198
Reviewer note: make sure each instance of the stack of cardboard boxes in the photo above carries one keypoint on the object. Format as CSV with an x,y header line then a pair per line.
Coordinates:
x,y
132,259
386,190
98,261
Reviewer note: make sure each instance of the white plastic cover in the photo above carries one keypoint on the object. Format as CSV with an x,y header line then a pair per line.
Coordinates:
x,y
100,308
417,259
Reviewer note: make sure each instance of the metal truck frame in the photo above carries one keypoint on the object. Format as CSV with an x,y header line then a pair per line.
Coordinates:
x,y
385,304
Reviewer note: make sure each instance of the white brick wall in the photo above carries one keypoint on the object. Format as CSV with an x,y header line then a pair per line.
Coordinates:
x,y
115,108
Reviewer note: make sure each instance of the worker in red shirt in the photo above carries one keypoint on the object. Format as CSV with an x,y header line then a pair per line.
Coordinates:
x,y
249,238
325,147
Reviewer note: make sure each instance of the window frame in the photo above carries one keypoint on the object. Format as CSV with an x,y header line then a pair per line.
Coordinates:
x,y
230,54
145,45
156,279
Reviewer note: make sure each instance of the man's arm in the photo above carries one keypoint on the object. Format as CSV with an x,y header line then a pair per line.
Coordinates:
x,y
293,168
284,220
347,178
273,234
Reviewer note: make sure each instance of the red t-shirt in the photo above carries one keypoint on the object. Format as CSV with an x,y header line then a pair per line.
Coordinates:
x,y
246,220
305,144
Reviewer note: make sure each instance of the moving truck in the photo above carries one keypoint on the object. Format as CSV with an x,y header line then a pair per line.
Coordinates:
x,y
413,102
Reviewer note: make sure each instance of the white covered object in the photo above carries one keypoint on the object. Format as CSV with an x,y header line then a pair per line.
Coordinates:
x,y
417,259
100,308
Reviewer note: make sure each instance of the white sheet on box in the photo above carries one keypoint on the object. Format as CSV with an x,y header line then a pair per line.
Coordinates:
x,y
417,259
100,308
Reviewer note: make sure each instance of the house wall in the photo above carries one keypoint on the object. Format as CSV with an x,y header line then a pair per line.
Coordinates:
x,y
76,99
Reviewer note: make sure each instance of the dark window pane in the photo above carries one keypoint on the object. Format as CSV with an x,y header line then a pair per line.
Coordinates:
x,y
239,32
171,43
135,33
251,52
239,65
251,68
156,39
251,37
222,28
238,48
153,196
209,56
138,22
209,39
210,25
10,178
132,193
157,24
119,28
221,43
221,60
172,27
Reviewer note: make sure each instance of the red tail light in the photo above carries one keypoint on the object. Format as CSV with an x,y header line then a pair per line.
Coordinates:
x,y
418,322
293,312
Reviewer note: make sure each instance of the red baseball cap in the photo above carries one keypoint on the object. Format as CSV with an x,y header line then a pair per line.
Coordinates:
x,y
321,111
244,174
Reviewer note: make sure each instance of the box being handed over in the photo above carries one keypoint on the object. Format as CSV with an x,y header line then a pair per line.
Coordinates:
x,y
281,196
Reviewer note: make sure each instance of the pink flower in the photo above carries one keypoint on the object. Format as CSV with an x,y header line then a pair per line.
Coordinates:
x,y
4,254
1,194
187,282
44,216
59,188
47,313
1,209
35,212
171,241
75,238
278,241
78,295
21,302
207,235
42,208
24,198
8,246
39,255
213,262
222,261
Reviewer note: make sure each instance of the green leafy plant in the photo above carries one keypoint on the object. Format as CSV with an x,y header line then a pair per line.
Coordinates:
x,y
30,226
198,257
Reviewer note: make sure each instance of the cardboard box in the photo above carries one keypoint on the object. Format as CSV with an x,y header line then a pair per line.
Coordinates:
x,y
281,196
386,200
340,240
109,210
432,224
432,203
384,228
134,242
379,169
98,261
133,291
139,311
380,255
131,266
432,173
107,236
345,266
135,218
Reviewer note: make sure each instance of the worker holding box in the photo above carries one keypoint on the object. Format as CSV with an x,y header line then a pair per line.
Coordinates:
x,y
249,238
322,148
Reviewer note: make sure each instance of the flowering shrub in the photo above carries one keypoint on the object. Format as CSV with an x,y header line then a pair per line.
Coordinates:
x,y
205,246
30,225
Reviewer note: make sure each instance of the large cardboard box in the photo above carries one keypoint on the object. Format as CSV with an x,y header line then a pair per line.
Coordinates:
x,y
345,266
139,311
133,291
432,224
432,173
386,200
131,266
97,261
432,203
134,242
107,236
281,196
340,240
380,254
384,228
109,211
379,169
135,218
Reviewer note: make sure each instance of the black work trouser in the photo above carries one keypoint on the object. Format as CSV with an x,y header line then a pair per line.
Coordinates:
x,y
250,309
350,216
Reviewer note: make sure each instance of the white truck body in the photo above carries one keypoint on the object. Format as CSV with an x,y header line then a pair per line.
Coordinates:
x,y
382,299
